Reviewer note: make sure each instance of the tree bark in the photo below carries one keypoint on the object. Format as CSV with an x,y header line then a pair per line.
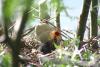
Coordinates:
x,y
15,58
94,24
15,44
83,20
58,19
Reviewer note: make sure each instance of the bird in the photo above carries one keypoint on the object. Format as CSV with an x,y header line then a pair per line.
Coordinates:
x,y
49,46
47,35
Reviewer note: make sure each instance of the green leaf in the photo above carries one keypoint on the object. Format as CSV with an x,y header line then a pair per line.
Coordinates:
x,y
67,42
56,46
86,55
58,4
43,10
9,7
6,61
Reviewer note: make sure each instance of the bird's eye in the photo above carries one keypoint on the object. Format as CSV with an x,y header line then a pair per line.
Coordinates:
x,y
57,33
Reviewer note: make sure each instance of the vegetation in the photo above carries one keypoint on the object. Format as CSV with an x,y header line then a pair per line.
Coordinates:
x,y
46,45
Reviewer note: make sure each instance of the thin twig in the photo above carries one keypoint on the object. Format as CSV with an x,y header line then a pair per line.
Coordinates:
x,y
28,31
61,31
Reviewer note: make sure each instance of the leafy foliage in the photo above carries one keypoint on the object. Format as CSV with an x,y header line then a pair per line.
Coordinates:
x,y
6,60
58,4
70,56
9,7
66,55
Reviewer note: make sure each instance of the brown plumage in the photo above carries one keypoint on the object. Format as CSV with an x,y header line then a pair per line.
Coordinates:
x,y
48,47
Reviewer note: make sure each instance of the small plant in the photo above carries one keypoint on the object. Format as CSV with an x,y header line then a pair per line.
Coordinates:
x,y
6,60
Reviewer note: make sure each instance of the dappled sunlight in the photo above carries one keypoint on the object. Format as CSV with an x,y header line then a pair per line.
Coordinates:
x,y
49,33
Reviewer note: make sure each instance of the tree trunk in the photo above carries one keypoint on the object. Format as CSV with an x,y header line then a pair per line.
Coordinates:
x,y
58,19
94,24
15,59
83,20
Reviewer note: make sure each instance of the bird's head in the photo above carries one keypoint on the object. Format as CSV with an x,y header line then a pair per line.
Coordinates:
x,y
55,34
